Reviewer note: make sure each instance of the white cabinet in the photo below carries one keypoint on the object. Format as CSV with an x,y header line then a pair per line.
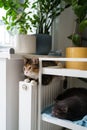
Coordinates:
x,y
61,72
10,75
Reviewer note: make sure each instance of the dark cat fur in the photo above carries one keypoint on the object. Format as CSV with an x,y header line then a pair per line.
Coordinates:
x,y
71,105
31,69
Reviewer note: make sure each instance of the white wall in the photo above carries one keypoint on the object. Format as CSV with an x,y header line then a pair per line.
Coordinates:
x,y
63,26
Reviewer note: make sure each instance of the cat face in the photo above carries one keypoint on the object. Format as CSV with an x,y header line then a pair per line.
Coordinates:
x,y
72,107
31,68
60,110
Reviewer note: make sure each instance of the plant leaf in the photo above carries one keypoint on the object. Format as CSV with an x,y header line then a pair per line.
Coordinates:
x,y
83,25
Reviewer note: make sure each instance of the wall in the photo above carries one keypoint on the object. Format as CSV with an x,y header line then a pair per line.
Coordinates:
x,y
63,26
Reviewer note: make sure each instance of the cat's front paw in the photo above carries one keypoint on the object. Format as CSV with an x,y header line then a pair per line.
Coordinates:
x,y
33,82
26,80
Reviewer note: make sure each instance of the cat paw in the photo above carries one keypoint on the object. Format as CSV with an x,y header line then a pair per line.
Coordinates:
x,y
27,80
33,82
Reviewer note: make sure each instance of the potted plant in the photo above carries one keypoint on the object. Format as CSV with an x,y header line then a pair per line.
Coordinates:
x,y
45,13
18,21
78,51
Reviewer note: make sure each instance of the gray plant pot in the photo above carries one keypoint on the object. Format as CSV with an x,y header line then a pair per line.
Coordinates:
x,y
43,44
25,43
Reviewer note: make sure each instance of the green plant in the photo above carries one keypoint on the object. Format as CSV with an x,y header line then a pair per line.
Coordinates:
x,y
17,18
80,9
45,13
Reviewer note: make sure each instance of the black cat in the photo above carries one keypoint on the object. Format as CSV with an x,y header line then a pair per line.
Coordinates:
x,y
71,105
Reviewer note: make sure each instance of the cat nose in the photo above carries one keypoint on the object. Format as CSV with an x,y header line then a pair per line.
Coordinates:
x,y
26,72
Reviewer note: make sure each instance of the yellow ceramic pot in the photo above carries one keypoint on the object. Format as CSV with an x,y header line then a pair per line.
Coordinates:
x,y
76,52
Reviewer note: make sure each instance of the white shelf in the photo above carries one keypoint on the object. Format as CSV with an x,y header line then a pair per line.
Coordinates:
x,y
60,72
64,72
62,59
63,123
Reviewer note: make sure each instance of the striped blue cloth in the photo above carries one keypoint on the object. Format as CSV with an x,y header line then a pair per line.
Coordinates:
x,y
82,122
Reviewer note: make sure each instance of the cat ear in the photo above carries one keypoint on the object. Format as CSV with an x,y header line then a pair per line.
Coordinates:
x,y
27,60
35,60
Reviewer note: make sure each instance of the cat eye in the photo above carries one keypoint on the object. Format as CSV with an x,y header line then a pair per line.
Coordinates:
x,y
23,68
29,67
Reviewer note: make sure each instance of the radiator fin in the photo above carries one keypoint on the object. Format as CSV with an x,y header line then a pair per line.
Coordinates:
x,y
49,93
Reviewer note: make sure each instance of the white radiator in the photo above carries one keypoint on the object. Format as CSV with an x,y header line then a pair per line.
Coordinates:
x,y
49,93
28,104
